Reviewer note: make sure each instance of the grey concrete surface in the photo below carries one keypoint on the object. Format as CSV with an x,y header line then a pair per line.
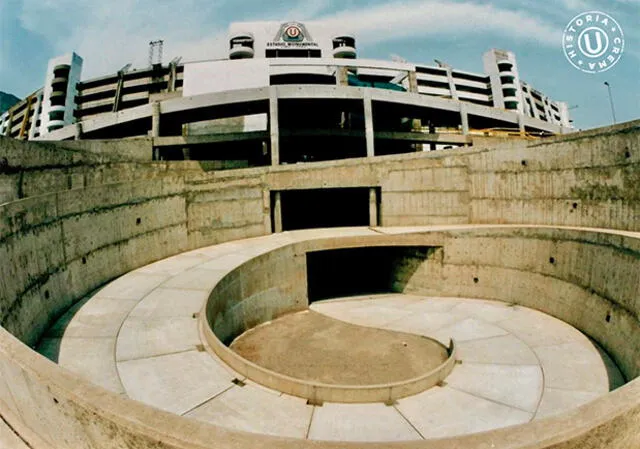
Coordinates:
x,y
64,251
517,364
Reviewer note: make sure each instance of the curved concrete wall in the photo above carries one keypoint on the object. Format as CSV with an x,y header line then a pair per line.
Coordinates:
x,y
274,284
56,248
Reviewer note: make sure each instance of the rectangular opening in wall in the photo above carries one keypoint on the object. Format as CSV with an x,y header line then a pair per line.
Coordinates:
x,y
369,270
321,208
321,130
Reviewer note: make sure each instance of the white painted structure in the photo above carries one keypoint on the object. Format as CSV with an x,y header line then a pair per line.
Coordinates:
x,y
263,54
58,101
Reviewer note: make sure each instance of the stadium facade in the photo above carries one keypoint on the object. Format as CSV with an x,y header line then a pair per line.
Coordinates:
x,y
284,68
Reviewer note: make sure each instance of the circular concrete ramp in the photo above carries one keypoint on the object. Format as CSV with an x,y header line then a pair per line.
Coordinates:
x,y
139,337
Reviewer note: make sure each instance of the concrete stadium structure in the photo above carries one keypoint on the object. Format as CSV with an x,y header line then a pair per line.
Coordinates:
x,y
550,225
130,264
248,106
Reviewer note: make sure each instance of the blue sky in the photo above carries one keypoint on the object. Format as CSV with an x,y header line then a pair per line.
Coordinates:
x,y
110,34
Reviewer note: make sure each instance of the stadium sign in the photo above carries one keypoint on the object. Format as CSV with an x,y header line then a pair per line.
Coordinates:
x,y
292,35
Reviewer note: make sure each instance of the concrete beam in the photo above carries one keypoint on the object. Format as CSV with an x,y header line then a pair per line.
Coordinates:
x,y
195,103
320,91
418,137
170,141
215,99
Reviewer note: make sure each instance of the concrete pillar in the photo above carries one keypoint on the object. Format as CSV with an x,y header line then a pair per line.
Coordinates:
x,y
416,123
413,82
452,84
521,124
155,119
266,211
368,122
9,124
34,120
78,132
464,118
274,127
342,76
373,207
277,212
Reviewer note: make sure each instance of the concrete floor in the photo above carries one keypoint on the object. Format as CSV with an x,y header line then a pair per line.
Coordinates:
x,y
138,337
9,439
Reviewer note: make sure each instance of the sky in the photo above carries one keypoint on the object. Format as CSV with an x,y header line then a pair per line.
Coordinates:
x,y
110,34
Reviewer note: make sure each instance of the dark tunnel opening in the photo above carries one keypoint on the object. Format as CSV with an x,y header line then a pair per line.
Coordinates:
x,y
324,208
360,271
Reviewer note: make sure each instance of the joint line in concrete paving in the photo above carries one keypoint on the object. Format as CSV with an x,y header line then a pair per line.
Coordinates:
x,y
210,399
155,356
498,402
409,422
14,431
313,410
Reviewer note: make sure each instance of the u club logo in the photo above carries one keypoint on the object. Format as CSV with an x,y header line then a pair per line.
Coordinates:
x,y
593,42
293,33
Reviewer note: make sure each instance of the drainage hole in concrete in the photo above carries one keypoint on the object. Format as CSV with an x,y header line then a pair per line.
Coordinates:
x,y
238,382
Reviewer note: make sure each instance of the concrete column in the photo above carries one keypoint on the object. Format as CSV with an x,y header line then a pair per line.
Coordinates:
x,y
464,117
534,109
521,124
155,119
34,120
266,211
452,84
373,207
274,127
368,122
78,132
10,124
277,212
413,82
342,77
416,123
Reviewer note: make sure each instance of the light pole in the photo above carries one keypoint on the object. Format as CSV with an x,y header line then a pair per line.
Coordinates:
x,y
613,111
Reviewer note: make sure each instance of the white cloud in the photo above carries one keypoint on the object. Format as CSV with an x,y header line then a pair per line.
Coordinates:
x,y
307,9
111,34
423,18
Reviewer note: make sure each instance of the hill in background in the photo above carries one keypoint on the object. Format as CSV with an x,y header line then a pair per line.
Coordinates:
x,y
6,101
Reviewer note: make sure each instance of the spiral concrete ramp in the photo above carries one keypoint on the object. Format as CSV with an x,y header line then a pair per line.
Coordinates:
x,y
138,336
525,253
